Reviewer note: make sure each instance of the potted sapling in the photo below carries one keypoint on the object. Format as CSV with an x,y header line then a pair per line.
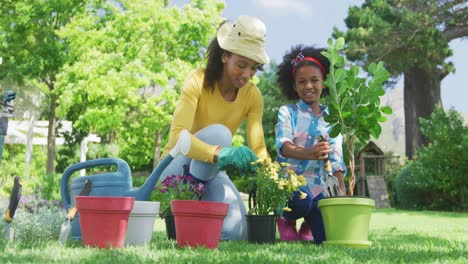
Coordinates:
x,y
356,114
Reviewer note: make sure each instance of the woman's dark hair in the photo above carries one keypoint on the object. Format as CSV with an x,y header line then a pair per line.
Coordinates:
x,y
214,65
285,74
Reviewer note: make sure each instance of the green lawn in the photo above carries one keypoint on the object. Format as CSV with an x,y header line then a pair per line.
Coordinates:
x,y
397,236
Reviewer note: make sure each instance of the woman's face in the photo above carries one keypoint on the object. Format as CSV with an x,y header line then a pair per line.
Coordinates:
x,y
238,70
308,83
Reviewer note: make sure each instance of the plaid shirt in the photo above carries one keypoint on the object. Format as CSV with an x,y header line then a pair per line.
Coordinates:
x,y
297,124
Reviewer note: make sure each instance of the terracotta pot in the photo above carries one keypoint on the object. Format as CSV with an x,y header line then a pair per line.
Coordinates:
x,y
104,219
198,223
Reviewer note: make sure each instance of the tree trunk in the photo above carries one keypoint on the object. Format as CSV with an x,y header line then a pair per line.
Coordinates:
x,y
352,179
51,134
421,95
362,176
29,144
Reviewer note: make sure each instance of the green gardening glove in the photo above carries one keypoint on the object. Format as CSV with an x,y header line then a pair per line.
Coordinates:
x,y
240,157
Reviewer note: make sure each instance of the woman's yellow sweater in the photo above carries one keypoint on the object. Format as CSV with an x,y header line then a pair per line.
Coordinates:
x,y
198,108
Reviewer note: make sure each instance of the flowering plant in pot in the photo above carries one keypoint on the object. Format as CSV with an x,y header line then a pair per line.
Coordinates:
x,y
355,112
272,185
177,187
194,222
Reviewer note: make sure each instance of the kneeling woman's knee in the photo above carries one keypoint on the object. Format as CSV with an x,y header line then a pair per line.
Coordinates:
x,y
218,134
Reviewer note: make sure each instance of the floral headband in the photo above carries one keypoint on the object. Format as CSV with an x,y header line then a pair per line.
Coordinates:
x,y
300,57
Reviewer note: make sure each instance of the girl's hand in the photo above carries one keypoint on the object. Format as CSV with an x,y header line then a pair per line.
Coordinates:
x,y
320,151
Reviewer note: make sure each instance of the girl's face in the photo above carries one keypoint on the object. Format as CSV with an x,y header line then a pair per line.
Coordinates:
x,y
308,83
238,70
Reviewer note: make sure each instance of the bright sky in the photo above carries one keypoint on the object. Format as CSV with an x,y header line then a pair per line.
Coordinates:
x,y
291,22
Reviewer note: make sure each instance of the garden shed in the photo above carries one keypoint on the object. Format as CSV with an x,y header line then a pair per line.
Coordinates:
x,y
372,173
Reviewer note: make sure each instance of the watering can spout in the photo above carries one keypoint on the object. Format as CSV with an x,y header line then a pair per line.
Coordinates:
x,y
182,146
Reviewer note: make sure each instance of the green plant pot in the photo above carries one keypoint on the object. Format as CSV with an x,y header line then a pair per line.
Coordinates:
x,y
346,220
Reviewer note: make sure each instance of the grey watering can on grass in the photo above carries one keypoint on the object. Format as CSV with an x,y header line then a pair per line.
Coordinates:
x,y
116,183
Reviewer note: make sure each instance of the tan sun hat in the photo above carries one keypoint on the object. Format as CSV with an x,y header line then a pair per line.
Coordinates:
x,y
245,37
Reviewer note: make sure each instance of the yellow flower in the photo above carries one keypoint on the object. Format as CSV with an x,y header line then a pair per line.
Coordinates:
x,y
302,195
273,175
294,182
275,185
281,184
303,180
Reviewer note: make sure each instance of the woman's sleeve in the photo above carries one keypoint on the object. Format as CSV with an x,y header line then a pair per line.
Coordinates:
x,y
283,129
183,119
255,135
336,156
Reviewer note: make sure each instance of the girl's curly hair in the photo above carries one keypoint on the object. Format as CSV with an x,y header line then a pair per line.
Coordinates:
x,y
285,75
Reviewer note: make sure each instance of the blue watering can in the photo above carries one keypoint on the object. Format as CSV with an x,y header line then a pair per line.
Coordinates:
x,y
117,183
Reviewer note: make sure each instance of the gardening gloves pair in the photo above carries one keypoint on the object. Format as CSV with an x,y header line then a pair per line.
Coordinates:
x,y
240,157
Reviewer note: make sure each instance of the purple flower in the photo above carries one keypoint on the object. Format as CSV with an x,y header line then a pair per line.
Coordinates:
x,y
181,183
178,187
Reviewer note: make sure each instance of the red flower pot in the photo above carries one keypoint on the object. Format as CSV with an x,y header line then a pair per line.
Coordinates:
x,y
104,219
198,223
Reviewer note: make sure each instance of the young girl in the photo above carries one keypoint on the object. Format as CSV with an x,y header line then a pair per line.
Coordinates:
x,y
300,77
214,102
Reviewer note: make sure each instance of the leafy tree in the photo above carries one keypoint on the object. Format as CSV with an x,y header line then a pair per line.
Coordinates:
x,y
272,101
127,56
411,37
30,48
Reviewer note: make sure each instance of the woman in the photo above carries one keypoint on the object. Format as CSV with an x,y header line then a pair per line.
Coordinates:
x,y
300,77
214,102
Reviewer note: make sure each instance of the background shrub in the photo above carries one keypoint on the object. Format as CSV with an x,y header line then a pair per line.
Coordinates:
x,y
410,191
392,167
438,175
38,225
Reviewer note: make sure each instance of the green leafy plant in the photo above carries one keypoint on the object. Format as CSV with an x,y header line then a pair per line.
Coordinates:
x,y
178,187
354,102
437,179
393,167
272,186
42,224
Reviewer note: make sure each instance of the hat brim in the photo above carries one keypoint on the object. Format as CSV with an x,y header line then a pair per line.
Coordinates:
x,y
259,57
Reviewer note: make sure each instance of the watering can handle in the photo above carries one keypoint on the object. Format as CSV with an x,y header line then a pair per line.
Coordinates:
x,y
122,166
